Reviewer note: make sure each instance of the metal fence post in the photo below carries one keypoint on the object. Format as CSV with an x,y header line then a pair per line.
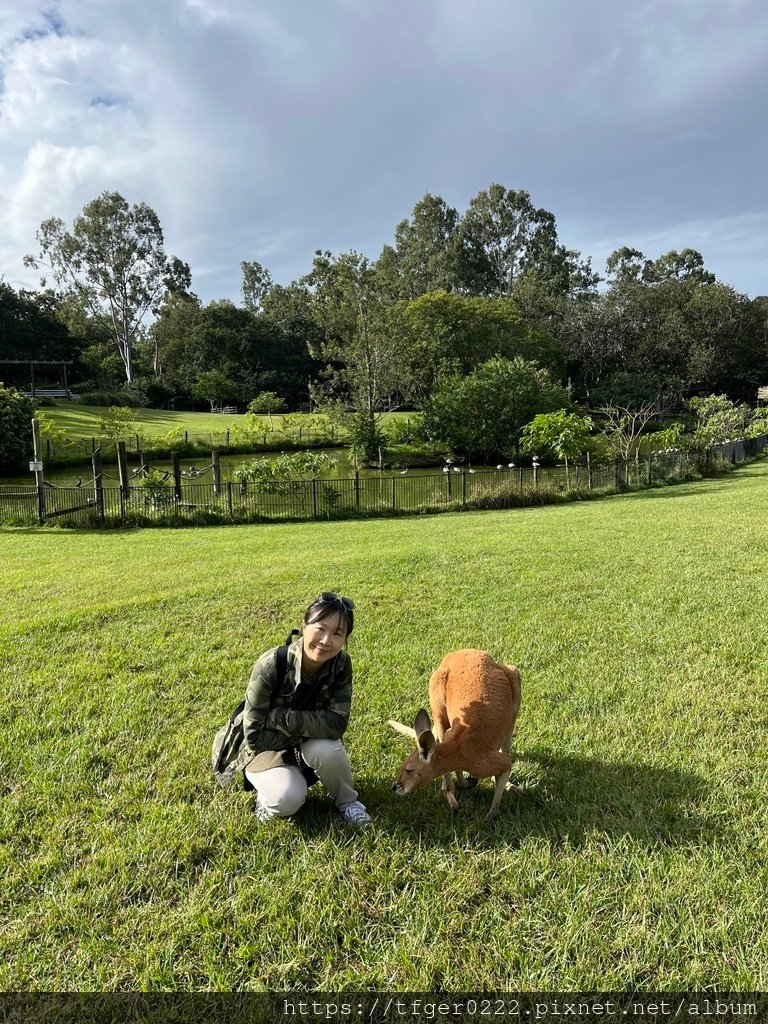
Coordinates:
x,y
98,482
216,472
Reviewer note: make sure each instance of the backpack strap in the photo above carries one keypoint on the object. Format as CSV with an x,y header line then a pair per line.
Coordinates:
x,y
281,663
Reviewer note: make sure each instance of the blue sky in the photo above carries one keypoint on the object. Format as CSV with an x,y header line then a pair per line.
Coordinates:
x,y
260,129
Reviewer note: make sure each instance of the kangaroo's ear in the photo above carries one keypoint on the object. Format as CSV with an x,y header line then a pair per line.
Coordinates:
x,y
406,730
425,739
422,723
426,744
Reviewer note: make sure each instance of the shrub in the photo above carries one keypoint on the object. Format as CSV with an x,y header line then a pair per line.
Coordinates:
x,y
16,413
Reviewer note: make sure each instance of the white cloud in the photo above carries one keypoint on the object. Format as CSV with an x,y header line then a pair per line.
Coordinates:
x,y
264,131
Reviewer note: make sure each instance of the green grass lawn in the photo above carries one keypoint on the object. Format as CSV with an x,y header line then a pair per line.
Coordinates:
x,y
634,860
82,421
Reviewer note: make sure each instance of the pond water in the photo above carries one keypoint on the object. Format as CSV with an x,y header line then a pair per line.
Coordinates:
x,y
198,470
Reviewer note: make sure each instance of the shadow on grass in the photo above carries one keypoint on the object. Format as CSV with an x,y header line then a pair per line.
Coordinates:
x,y
564,798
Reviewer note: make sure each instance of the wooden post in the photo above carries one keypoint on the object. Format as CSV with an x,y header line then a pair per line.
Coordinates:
x,y
98,481
176,475
357,489
463,488
650,468
590,478
394,499
314,497
37,456
142,463
216,472
122,469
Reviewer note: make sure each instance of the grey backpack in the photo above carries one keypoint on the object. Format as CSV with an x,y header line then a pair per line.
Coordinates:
x,y
228,741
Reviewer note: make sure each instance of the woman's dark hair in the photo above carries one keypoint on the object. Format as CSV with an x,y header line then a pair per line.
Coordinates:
x,y
328,603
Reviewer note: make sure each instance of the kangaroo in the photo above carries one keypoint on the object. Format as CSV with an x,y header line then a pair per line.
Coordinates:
x,y
475,703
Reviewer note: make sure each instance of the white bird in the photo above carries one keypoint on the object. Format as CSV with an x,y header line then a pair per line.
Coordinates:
x,y
510,465
446,469
403,472
471,471
499,467
456,469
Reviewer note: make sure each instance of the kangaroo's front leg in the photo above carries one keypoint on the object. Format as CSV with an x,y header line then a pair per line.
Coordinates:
x,y
449,791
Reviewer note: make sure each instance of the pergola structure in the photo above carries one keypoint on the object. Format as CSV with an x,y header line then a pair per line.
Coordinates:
x,y
33,390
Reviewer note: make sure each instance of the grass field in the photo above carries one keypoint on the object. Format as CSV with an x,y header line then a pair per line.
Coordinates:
x,y
82,421
634,860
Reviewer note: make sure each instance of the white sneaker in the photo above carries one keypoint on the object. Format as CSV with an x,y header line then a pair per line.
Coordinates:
x,y
356,815
262,812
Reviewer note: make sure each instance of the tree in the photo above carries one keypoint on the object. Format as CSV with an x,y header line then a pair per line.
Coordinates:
x,y
425,256
257,282
364,356
114,262
215,387
448,330
718,419
623,425
30,328
662,326
565,434
501,236
267,402
484,412
16,412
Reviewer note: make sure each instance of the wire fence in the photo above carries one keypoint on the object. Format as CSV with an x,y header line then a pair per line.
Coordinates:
x,y
76,450
152,502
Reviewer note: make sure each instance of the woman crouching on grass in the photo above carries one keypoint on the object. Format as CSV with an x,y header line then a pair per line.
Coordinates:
x,y
293,727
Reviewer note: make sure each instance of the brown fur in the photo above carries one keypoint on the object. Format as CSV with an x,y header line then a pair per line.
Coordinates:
x,y
475,702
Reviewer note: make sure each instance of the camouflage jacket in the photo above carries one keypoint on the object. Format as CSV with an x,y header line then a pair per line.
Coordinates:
x,y
273,724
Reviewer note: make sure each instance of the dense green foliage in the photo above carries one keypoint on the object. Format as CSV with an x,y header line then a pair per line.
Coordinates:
x,y
452,292
634,860
485,411
16,412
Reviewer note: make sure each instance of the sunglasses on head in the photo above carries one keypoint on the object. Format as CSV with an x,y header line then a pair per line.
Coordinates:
x,y
330,598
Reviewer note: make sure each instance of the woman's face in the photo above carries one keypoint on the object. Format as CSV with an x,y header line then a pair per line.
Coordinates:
x,y
324,638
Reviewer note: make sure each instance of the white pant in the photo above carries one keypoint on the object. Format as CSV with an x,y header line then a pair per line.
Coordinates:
x,y
283,789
